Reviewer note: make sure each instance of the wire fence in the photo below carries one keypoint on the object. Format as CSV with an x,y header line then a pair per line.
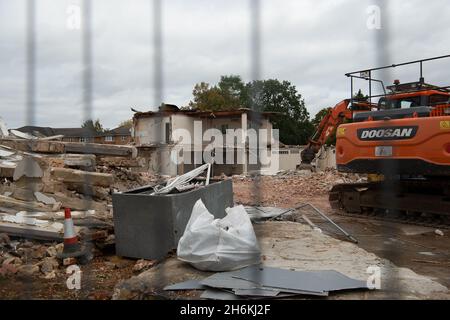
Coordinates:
x,y
381,39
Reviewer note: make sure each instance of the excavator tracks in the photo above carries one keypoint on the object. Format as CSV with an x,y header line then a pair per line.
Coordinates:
x,y
422,201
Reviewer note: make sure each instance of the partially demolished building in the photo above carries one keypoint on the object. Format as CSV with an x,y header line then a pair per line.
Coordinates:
x,y
236,141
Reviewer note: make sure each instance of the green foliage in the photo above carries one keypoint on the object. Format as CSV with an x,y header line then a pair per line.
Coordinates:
x,y
282,97
262,95
319,116
126,123
93,125
359,96
228,94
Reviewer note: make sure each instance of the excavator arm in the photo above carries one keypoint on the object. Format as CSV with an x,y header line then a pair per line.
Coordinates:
x,y
328,125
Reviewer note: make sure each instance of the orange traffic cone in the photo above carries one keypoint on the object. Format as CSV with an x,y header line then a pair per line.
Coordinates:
x,y
72,248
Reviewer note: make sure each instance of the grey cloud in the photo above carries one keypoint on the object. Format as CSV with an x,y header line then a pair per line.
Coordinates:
x,y
309,43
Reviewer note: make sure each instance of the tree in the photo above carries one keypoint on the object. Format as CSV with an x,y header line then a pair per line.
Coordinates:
x,y
94,126
359,96
207,98
282,97
262,95
234,90
228,94
319,116
126,123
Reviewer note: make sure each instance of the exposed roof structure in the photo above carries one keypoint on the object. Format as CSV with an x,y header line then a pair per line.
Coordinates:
x,y
171,109
45,131
74,132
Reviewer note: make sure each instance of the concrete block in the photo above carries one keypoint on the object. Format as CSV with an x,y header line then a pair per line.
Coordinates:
x,y
7,169
28,167
83,177
100,149
79,160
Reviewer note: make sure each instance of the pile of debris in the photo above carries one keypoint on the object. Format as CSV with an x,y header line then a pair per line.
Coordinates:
x,y
27,259
322,180
40,176
284,188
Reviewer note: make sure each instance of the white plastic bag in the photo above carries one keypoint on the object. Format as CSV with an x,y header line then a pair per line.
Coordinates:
x,y
219,245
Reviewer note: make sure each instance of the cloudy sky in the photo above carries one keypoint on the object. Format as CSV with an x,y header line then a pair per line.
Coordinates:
x,y
309,43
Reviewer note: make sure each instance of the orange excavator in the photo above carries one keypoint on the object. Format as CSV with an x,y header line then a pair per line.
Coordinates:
x,y
403,139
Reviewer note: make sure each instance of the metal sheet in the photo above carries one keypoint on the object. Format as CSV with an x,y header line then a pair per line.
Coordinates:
x,y
272,293
216,294
226,280
338,281
256,292
186,285
288,292
311,281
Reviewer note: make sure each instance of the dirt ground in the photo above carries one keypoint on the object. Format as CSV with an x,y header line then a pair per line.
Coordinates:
x,y
417,248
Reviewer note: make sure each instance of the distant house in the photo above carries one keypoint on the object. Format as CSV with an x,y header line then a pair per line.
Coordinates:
x,y
119,135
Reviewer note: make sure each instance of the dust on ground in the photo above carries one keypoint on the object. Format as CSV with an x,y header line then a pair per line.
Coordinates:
x,y
417,248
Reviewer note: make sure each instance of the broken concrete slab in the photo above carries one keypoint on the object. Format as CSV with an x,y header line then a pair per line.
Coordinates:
x,y
3,128
79,204
82,177
23,194
25,183
18,205
27,193
43,198
7,169
80,161
6,152
100,149
25,220
42,146
39,146
22,135
55,137
31,232
8,202
28,167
